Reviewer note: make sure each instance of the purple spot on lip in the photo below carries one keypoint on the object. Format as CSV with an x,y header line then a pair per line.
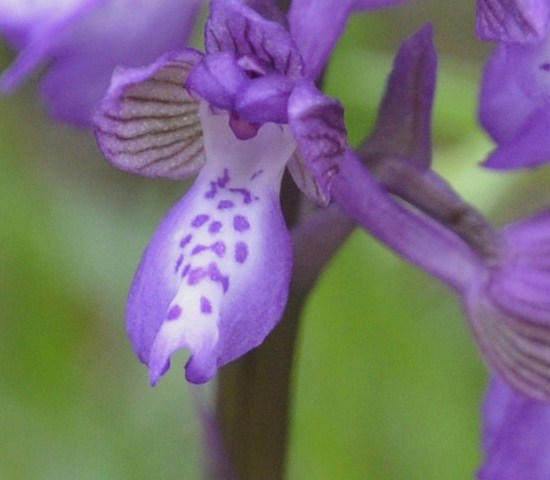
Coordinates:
x,y
216,276
225,205
241,252
178,263
218,248
240,223
215,227
545,66
185,271
198,274
200,220
199,249
220,182
185,240
174,313
206,306
213,190
256,174
247,196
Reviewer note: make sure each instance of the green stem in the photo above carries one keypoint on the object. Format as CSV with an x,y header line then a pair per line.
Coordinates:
x,y
255,392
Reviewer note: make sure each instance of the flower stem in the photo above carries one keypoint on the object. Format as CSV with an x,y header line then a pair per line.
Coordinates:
x,y
255,392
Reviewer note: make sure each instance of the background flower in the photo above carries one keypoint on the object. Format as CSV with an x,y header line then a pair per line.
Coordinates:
x,y
82,41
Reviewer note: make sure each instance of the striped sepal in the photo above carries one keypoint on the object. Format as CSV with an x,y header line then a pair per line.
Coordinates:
x,y
518,348
148,124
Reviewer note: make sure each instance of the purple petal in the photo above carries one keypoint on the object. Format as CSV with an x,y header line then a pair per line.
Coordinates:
x,y
516,83
316,26
530,146
265,99
83,51
403,126
317,123
514,21
217,78
516,435
215,276
148,124
504,104
509,308
234,27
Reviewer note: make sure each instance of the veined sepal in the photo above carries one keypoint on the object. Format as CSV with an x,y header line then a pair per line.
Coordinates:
x,y
148,123
509,308
214,279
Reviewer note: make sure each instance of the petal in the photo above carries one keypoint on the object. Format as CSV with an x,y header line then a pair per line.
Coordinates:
x,y
510,309
516,83
516,435
316,26
504,105
530,146
234,27
214,279
265,99
515,21
317,123
217,79
403,126
148,124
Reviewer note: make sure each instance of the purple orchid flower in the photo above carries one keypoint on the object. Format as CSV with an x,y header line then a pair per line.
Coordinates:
x,y
501,276
515,315
82,41
516,436
515,95
512,322
215,276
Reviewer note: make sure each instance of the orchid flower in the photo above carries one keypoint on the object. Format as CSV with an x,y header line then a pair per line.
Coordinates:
x,y
502,277
82,41
515,94
215,276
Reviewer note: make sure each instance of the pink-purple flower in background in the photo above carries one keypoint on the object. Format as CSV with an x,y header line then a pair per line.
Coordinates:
x,y
80,42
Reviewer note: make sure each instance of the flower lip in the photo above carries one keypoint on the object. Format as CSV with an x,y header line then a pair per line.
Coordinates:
x,y
215,277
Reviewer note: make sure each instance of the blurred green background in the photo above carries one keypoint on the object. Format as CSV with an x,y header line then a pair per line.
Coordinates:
x,y
388,382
